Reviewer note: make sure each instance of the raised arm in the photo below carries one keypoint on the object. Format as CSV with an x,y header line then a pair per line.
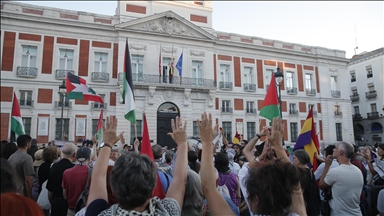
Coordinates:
x,y
216,202
247,151
179,134
275,138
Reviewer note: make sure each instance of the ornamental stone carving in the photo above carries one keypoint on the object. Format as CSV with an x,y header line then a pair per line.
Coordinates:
x,y
152,91
168,50
187,95
197,53
168,95
333,70
138,47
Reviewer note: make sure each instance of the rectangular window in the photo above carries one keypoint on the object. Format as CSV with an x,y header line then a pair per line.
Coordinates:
x,y
137,67
289,79
333,82
224,73
336,108
166,69
250,107
311,105
356,109
369,71
28,56
195,128
373,107
371,88
197,72
227,127
268,76
25,98
66,59
339,132
353,76
98,105
226,105
294,132
139,129
65,127
94,126
27,125
251,130
101,61
248,75
354,92
292,106
308,82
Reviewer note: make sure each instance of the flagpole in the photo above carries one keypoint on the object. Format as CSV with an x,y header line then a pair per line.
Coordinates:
x,y
134,127
12,137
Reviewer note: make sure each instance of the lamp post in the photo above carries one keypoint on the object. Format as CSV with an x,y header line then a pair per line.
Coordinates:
x,y
62,91
279,76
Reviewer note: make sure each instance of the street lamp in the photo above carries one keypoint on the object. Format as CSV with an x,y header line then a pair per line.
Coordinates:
x,y
279,76
62,91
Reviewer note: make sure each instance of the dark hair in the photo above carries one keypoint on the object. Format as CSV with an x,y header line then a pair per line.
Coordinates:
x,y
245,141
49,154
23,140
222,162
8,150
9,181
87,143
3,143
329,150
267,183
381,146
302,156
133,179
168,156
192,161
157,151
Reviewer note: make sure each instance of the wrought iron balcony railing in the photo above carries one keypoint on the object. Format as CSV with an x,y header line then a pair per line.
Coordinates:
x,y
29,72
355,97
100,77
335,93
62,74
225,85
67,105
97,105
226,110
26,103
291,90
311,92
353,79
356,116
369,75
251,111
371,94
293,112
249,87
373,115
338,113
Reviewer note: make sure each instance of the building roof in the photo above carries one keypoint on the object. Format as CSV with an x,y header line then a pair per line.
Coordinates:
x,y
365,55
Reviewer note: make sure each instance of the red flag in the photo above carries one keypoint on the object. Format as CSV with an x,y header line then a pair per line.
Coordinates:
x,y
315,163
146,148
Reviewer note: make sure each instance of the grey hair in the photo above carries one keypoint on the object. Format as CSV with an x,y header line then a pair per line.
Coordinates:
x,y
133,179
157,151
69,149
193,197
347,148
302,156
168,156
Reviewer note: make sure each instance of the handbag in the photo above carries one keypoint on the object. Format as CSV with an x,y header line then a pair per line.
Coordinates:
x,y
43,200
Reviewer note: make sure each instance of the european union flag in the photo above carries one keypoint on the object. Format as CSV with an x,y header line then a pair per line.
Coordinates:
x,y
179,65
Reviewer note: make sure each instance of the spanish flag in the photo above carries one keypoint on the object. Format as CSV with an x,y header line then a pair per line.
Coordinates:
x,y
236,139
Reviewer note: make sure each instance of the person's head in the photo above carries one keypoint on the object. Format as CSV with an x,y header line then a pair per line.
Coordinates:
x,y
9,181
43,146
33,141
193,197
221,162
50,154
168,156
8,150
83,154
343,149
69,151
265,195
38,158
243,143
157,151
329,150
237,149
380,150
114,154
300,157
15,204
192,161
24,141
231,154
133,179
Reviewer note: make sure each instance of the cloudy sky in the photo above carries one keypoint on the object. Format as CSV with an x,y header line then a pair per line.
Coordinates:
x,y
329,24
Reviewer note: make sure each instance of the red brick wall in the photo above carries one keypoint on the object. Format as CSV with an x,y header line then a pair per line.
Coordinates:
x,y
302,107
44,95
32,11
284,106
321,129
239,104
31,37
302,122
289,65
236,63
70,41
101,44
300,77
81,102
306,67
6,94
197,18
248,60
47,55
270,63
224,57
285,130
112,98
214,67
135,9
260,74
115,59
239,120
69,16
5,119
317,80
105,21
9,50
217,103
318,107
259,104
83,58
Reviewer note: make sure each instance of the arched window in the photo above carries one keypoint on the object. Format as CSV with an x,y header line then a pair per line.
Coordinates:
x,y
376,128
359,129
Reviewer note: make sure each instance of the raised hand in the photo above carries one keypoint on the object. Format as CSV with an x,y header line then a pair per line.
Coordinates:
x,y
275,136
109,131
179,132
206,131
266,149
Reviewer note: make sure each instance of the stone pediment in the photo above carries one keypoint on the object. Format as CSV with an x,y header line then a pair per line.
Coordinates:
x,y
167,23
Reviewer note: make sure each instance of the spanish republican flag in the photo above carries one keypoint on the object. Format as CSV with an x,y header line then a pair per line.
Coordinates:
x,y
236,139
308,140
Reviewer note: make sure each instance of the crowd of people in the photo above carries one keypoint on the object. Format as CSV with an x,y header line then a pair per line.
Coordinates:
x,y
250,178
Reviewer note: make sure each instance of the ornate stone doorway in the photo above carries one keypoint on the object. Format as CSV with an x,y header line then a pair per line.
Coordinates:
x,y
165,113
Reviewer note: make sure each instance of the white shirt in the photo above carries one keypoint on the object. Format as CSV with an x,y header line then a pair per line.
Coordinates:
x,y
320,171
111,162
243,175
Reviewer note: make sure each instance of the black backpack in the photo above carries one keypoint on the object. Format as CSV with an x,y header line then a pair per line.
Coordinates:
x,y
82,200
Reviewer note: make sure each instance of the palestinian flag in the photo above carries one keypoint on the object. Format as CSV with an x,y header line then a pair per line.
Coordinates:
x,y
270,108
128,95
77,88
236,139
99,128
17,126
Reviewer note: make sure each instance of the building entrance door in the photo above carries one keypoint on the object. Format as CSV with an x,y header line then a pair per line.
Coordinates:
x,y
165,113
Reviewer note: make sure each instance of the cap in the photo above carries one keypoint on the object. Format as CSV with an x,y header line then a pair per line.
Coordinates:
x,y
38,157
83,154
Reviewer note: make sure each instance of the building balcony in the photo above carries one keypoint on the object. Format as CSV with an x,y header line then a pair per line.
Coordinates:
x,y
249,87
338,114
369,75
371,94
27,72
98,106
251,111
293,112
291,90
100,77
62,74
353,79
26,103
373,115
226,110
335,93
310,92
67,105
225,85
356,116
355,97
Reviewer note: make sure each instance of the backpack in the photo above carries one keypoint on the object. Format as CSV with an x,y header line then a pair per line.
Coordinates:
x,y
82,200
223,188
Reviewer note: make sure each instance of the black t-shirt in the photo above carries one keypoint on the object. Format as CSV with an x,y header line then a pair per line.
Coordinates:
x,y
32,150
56,177
44,173
96,207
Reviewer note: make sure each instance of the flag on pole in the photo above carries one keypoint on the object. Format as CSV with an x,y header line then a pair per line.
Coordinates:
x,y
99,128
307,139
236,139
160,62
77,88
128,94
17,126
179,65
146,148
270,108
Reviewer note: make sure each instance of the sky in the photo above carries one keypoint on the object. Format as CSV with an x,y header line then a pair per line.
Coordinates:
x,y
330,24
